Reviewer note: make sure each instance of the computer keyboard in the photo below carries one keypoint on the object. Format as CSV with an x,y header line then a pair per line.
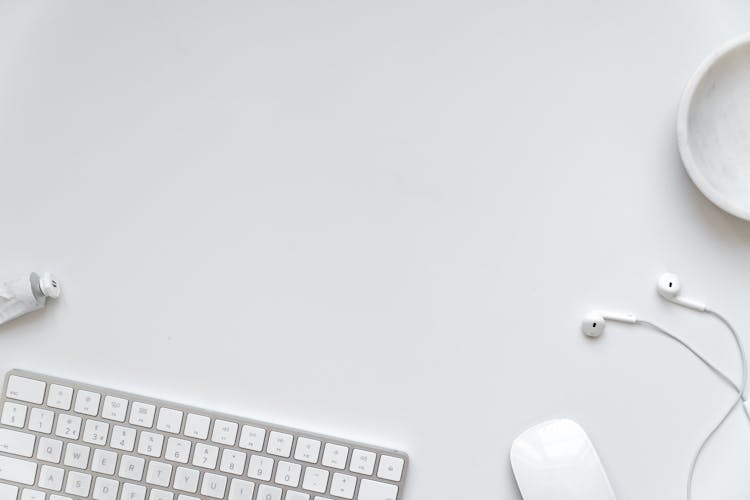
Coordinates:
x,y
68,440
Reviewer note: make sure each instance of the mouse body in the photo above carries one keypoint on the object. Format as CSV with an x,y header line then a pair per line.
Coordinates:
x,y
556,460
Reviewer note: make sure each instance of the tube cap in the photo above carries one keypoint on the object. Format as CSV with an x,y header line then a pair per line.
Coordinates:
x,y
50,286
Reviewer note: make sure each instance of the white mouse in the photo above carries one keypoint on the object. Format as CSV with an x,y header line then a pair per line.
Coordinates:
x,y
555,460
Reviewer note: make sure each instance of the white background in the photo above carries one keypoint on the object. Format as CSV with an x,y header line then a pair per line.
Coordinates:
x,y
379,220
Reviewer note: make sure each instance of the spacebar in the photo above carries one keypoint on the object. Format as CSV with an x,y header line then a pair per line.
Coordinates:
x,y
20,471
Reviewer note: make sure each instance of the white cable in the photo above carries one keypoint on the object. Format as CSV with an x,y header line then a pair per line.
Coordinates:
x,y
740,389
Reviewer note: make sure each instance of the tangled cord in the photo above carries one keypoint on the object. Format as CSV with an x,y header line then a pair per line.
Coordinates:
x,y
740,389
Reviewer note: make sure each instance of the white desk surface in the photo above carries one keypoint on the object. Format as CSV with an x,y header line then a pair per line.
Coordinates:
x,y
380,220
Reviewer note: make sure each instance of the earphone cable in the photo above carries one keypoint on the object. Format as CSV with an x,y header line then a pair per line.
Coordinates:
x,y
739,389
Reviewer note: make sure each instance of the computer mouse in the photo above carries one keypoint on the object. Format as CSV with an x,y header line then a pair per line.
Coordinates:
x,y
555,460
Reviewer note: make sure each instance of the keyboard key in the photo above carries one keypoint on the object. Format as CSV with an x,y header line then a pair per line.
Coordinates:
x,y
142,414
8,492
390,468
232,461
19,471
240,489
115,409
77,456
17,443
150,444
87,402
252,438
315,480
224,432
160,495
68,426
59,497
105,489
95,432
197,426
132,492
279,444
41,420
186,479
158,473
288,474
266,492
213,485
131,467
123,438
178,450
59,397
296,495
186,497
169,420
363,462
205,455
260,467
104,461
78,484
29,494
307,450
334,455
50,450
14,414
25,389
342,485
375,490
51,478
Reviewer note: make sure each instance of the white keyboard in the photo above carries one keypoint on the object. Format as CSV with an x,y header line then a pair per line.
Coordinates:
x,y
66,440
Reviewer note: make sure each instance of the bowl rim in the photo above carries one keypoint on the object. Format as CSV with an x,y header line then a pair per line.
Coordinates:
x,y
683,114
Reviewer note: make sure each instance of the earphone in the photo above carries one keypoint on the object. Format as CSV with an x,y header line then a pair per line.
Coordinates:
x,y
668,287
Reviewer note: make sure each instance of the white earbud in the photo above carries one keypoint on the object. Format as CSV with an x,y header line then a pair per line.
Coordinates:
x,y
668,287
593,323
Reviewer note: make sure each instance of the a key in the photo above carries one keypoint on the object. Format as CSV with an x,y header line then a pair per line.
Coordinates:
x,y
307,450
205,455
375,490
240,489
114,409
50,450
213,485
68,426
296,495
342,485
59,397
41,420
17,443
288,473
19,471
14,414
169,420
224,432
131,467
315,480
252,438
105,489
95,432
279,444
8,492
133,492
260,467
334,455
186,479
197,426
150,444
123,438
77,456
142,414
160,495
51,478
87,402
232,461
78,484
266,492
104,461
390,468
158,473
25,389
363,462
29,494
178,450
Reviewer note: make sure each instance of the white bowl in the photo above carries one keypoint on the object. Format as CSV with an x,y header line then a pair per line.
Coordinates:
x,y
713,127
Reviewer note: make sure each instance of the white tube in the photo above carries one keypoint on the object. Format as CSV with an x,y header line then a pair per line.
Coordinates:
x,y
26,294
